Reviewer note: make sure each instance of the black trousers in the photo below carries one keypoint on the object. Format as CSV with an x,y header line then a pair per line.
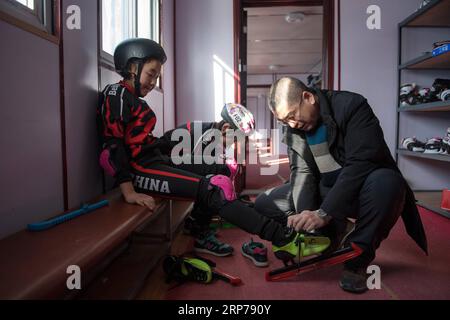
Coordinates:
x,y
180,181
191,182
378,207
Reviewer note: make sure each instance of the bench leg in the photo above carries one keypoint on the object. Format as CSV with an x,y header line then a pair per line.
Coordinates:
x,y
169,222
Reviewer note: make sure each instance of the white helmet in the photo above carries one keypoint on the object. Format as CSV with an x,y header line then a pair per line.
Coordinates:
x,y
239,117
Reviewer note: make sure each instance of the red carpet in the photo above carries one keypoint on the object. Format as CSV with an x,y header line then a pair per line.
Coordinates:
x,y
406,273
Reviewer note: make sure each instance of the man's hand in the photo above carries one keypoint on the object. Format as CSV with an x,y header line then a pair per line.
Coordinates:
x,y
307,221
141,199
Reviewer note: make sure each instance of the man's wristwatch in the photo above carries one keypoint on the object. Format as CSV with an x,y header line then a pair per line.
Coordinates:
x,y
322,214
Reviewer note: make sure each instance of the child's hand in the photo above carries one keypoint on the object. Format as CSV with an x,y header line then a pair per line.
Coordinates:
x,y
141,199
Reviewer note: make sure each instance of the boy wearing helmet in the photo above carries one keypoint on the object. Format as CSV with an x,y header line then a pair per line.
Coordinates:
x,y
141,162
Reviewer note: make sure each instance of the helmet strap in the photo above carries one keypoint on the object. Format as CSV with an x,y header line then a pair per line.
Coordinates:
x,y
220,124
137,79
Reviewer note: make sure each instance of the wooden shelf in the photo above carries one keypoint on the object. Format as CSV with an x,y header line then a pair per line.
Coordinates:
x,y
431,200
435,14
438,157
427,107
427,61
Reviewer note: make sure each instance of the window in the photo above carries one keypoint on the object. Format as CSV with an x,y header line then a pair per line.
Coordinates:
x,y
36,13
27,3
123,19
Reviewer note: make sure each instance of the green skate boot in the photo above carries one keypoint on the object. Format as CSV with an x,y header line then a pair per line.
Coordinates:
x,y
302,245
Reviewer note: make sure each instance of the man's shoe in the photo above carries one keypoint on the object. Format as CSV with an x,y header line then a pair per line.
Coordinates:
x,y
208,243
302,245
339,237
354,281
256,252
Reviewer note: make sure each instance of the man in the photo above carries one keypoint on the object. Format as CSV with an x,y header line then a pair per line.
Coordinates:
x,y
341,168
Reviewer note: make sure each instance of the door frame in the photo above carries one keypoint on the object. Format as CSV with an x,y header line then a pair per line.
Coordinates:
x,y
327,46
328,35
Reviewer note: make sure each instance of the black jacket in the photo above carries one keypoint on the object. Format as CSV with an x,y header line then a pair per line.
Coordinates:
x,y
357,143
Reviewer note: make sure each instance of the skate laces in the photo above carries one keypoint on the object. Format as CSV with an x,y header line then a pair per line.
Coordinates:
x,y
312,245
303,245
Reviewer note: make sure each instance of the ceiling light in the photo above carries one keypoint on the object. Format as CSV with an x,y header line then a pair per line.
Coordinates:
x,y
295,17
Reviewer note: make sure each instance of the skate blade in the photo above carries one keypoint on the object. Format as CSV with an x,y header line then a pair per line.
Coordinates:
x,y
316,263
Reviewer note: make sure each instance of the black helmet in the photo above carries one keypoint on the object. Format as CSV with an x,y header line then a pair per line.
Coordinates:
x,y
137,48
140,50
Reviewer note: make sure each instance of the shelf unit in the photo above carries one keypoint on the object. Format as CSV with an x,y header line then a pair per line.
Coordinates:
x,y
433,15
433,106
438,157
431,201
427,61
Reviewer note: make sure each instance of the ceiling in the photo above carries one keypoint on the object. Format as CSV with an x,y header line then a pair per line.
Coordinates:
x,y
287,47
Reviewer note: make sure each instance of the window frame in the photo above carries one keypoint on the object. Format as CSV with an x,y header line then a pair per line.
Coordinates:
x,y
107,60
41,21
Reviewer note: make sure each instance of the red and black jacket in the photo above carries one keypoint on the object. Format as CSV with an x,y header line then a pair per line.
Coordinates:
x,y
125,123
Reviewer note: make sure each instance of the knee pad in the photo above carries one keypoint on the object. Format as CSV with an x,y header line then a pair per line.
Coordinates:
x,y
106,164
233,166
225,184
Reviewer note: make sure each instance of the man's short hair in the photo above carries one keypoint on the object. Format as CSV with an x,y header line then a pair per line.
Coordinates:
x,y
286,90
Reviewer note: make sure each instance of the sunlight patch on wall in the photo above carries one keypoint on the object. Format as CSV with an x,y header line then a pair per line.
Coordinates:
x,y
223,85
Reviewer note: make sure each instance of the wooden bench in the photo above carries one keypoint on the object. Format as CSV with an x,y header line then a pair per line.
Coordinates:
x,y
116,247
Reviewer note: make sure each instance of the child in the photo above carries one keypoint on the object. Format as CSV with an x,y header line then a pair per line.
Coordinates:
x,y
141,162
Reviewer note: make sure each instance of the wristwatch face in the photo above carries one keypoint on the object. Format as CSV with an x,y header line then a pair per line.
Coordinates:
x,y
321,213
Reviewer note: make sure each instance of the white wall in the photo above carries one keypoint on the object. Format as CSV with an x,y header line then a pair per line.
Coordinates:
x,y
30,135
369,61
81,99
204,58
369,57
168,78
